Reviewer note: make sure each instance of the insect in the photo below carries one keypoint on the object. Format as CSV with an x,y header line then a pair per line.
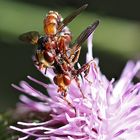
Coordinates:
x,y
56,39
64,67
53,48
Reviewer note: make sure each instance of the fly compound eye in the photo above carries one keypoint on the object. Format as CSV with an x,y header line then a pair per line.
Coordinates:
x,y
49,57
66,80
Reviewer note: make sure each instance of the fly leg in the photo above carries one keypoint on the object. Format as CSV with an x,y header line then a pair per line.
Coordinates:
x,y
85,68
64,96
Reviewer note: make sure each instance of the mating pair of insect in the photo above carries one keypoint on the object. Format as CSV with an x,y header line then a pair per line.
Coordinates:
x,y
54,51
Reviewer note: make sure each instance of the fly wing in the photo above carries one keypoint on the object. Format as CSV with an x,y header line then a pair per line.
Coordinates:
x,y
70,17
75,50
86,33
30,37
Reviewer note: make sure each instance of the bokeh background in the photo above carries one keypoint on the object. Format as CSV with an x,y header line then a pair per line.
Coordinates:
x,y
116,40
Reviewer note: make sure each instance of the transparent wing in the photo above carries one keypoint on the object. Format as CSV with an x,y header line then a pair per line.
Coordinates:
x,y
86,33
30,37
75,50
70,17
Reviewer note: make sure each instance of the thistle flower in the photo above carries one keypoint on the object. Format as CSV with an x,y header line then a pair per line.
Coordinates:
x,y
109,110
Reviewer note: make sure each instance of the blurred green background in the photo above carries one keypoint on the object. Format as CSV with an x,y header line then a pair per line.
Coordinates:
x,y
116,40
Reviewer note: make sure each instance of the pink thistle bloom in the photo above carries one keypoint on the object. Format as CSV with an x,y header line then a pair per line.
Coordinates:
x,y
110,110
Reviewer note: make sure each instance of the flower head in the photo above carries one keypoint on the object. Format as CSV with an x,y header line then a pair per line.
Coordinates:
x,y
109,110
